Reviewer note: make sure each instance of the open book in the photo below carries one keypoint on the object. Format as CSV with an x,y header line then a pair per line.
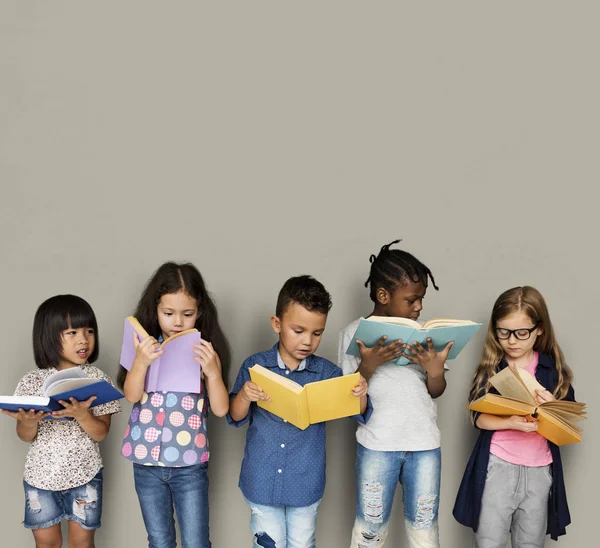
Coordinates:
x,y
175,370
441,332
556,419
309,404
62,385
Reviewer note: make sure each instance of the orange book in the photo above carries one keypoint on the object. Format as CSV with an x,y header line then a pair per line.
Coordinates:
x,y
556,419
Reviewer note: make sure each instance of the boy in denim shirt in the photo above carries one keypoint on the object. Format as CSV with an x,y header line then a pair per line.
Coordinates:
x,y
283,471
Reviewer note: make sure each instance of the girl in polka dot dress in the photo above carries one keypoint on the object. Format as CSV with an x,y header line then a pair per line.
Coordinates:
x,y
166,437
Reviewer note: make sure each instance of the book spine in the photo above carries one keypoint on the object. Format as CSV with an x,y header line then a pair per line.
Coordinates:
x,y
303,410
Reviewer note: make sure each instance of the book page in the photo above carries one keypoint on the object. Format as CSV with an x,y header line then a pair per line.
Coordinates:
x,y
67,385
529,380
60,376
572,411
510,385
395,320
24,401
186,332
445,322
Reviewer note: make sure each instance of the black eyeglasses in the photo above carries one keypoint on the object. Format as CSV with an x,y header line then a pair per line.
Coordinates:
x,y
522,334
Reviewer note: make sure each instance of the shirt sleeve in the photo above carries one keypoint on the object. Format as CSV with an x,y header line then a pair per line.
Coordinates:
x,y
348,363
242,378
570,395
28,387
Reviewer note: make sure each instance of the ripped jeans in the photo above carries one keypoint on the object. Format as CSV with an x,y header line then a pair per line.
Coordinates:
x,y
81,504
283,526
378,474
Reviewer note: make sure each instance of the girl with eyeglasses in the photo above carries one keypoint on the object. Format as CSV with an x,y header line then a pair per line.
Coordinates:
x,y
513,483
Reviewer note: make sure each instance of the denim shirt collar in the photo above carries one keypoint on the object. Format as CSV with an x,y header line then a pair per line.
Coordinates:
x,y
274,359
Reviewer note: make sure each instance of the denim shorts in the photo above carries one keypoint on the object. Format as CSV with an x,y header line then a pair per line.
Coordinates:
x,y
82,504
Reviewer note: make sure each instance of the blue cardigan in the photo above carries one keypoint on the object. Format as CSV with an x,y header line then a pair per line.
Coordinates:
x,y
467,507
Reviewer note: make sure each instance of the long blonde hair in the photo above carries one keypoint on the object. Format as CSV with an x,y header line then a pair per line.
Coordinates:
x,y
528,300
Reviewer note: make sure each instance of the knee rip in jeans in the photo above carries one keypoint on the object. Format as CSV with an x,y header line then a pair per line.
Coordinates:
x,y
90,501
264,540
369,539
33,501
372,495
425,514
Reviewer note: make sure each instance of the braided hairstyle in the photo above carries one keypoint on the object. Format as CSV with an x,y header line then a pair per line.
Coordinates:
x,y
392,267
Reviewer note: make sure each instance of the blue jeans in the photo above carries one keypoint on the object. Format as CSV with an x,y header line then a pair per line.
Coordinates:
x,y
283,526
82,504
159,490
378,474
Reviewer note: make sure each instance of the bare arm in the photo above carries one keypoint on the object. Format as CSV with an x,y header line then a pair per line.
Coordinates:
x,y
436,385
210,362
95,427
27,422
239,405
217,395
433,364
515,422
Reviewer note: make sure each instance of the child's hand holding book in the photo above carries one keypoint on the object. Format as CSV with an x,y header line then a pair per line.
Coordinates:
x,y
146,350
253,393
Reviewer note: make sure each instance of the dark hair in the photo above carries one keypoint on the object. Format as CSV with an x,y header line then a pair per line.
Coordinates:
x,y
392,267
170,278
54,316
307,292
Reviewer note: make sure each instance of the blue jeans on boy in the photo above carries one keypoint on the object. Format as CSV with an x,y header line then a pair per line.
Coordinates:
x,y
378,474
159,490
283,526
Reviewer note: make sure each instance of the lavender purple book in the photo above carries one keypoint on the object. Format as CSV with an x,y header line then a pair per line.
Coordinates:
x,y
175,370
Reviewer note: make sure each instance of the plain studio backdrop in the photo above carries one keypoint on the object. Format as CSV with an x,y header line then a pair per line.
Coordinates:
x,y
262,140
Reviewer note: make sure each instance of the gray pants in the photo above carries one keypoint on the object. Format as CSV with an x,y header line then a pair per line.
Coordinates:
x,y
515,502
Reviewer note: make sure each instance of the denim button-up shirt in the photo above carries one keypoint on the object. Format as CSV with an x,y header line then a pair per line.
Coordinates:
x,y
283,465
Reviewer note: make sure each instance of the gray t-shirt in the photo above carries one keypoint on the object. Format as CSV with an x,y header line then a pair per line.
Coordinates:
x,y
404,414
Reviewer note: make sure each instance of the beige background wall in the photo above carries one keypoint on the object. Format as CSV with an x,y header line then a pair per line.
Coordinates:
x,y
262,140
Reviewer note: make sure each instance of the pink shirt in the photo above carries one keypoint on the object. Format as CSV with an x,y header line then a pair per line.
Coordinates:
x,y
523,448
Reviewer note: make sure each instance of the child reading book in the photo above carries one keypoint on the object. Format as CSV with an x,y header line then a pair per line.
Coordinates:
x,y
440,331
401,441
166,438
283,471
63,467
517,389
513,484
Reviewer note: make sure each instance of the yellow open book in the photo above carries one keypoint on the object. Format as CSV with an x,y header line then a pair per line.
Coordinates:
x,y
556,419
309,404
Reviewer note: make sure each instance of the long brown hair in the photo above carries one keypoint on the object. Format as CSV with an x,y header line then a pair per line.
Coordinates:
x,y
530,302
172,277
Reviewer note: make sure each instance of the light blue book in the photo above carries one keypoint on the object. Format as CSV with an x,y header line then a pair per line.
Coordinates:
x,y
441,332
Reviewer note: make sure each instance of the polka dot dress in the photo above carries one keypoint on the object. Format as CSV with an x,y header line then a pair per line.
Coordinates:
x,y
167,429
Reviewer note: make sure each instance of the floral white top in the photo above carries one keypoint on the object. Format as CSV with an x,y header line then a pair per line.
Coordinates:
x,y
62,455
